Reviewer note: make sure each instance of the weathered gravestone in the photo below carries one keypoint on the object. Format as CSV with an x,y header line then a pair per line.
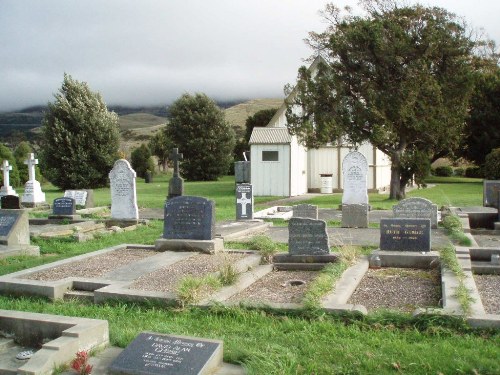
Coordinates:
x,y
14,234
84,198
307,237
10,202
63,207
405,234
176,183
189,224
416,208
244,202
33,194
355,171
309,211
123,192
153,353
491,190
6,189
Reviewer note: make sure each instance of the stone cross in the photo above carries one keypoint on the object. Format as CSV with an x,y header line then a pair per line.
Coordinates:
x,y
176,157
243,201
6,168
31,162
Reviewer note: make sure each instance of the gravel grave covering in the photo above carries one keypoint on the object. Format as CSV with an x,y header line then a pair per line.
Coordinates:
x,y
401,289
489,290
166,279
95,266
273,287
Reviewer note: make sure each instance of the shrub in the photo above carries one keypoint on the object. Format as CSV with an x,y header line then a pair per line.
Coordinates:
x,y
474,172
459,172
444,171
141,161
492,165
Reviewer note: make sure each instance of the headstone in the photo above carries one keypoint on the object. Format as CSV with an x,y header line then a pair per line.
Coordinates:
x,y
10,202
189,218
244,202
123,192
153,353
148,177
176,183
6,189
84,198
64,206
33,194
14,227
355,171
309,211
418,208
242,172
405,234
355,216
307,237
491,188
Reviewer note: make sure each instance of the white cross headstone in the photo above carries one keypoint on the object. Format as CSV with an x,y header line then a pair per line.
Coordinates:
x,y
244,202
33,193
6,188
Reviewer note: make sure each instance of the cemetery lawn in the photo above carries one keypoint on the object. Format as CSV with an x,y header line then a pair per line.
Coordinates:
x,y
302,343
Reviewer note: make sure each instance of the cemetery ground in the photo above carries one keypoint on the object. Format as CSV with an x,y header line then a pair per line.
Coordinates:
x,y
274,341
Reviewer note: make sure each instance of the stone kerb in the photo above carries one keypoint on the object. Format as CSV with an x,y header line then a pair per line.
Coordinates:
x,y
123,191
416,208
355,171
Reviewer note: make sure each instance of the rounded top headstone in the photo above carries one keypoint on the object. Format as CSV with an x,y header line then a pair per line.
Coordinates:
x,y
122,166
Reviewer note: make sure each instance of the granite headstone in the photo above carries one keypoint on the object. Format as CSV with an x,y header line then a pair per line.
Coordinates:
x,y
244,202
10,202
14,227
491,188
84,198
63,206
307,237
417,208
400,234
189,218
309,211
355,216
153,353
123,192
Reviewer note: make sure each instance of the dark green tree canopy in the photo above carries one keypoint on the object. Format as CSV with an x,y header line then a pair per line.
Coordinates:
x,y
21,153
260,118
80,138
399,77
160,147
198,128
141,161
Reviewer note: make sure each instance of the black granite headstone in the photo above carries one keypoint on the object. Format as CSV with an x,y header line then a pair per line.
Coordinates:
x,y
244,202
64,206
7,221
152,353
402,234
307,237
10,202
189,218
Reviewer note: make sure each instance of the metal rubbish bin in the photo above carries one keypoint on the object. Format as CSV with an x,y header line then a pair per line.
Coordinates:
x,y
326,183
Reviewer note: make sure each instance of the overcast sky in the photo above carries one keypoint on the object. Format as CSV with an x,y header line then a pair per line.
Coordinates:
x,y
149,52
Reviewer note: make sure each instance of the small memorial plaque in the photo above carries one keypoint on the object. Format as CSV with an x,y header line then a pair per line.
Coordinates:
x,y
309,211
405,234
152,353
10,202
189,218
64,206
307,237
80,196
491,188
244,202
416,208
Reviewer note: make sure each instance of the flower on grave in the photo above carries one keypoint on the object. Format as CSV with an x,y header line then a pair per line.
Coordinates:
x,y
80,365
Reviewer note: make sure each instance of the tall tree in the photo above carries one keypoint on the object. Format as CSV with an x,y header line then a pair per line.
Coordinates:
x,y
198,128
160,147
80,138
399,77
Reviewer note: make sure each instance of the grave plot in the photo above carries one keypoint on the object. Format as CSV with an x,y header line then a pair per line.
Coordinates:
x,y
489,291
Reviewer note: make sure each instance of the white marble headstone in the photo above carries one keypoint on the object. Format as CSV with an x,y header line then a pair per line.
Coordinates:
x,y
355,171
33,193
6,189
123,193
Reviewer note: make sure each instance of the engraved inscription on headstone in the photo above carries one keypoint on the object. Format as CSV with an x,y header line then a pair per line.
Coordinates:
x,y
64,206
7,221
355,216
355,170
123,193
244,202
405,234
307,237
80,196
10,202
418,208
309,211
491,188
189,218
152,353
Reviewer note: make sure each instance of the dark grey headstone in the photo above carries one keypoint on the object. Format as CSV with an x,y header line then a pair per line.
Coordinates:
x,y
64,206
14,227
307,237
491,188
244,202
10,202
309,211
152,353
242,172
416,208
354,216
189,218
176,183
405,234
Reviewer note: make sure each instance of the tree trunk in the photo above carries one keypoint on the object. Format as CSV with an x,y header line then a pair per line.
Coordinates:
x,y
397,188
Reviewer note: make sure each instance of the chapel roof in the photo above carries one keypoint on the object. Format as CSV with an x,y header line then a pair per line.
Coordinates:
x,y
267,135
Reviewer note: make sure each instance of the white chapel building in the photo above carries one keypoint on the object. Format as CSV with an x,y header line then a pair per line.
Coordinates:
x,y
282,166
